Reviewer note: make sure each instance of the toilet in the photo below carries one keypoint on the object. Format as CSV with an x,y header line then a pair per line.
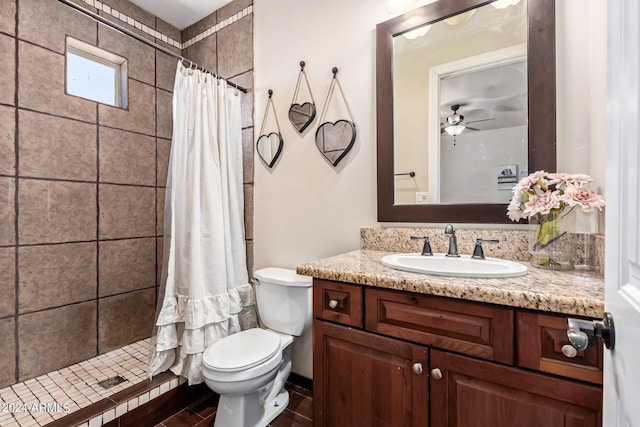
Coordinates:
x,y
249,369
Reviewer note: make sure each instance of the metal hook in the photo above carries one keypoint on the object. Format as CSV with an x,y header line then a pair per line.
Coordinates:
x,y
302,65
334,71
270,92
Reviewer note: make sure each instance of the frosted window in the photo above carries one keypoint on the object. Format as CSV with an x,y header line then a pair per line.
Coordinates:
x,y
95,74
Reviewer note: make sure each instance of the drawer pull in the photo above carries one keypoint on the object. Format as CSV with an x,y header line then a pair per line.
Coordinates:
x,y
333,303
417,368
569,350
436,374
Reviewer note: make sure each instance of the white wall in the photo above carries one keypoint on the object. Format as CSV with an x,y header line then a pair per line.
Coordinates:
x,y
306,209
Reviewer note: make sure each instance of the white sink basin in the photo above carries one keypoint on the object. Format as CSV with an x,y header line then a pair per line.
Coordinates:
x,y
465,266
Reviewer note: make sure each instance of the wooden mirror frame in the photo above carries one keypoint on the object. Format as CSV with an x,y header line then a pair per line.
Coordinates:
x,y
541,67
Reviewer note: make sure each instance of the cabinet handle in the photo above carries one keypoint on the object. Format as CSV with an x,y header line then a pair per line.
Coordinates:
x,y
417,368
436,374
569,350
333,303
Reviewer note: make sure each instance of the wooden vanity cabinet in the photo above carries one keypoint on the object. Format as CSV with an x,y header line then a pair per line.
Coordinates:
x,y
420,360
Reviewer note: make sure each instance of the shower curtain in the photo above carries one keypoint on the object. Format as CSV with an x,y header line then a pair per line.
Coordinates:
x,y
205,293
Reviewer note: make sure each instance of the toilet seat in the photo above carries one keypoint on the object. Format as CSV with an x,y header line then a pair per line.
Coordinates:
x,y
246,354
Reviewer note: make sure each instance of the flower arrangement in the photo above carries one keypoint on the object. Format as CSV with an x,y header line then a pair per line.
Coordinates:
x,y
543,197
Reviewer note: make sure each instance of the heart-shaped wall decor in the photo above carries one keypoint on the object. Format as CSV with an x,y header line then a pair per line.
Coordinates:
x,y
269,148
302,115
334,140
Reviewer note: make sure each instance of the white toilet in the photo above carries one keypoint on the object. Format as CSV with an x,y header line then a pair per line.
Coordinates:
x,y
249,369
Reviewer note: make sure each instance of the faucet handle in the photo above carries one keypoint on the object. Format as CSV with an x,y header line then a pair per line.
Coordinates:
x,y
478,253
426,248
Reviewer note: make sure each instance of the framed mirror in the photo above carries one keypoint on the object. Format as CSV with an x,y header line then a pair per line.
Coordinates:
x,y
465,107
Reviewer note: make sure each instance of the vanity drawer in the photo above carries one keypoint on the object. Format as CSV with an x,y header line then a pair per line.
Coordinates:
x,y
476,329
337,302
540,341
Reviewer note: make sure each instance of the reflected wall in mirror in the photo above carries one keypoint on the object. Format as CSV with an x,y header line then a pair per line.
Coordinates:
x,y
455,82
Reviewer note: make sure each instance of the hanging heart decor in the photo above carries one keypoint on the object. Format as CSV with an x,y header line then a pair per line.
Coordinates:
x,y
269,145
302,115
334,140
269,148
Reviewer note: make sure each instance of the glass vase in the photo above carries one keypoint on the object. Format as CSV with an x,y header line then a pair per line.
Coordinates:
x,y
550,243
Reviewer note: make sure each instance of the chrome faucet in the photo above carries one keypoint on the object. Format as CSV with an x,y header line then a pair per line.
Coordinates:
x,y
453,242
478,253
426,248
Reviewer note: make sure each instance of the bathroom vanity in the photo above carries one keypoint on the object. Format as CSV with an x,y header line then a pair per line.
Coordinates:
x,y
393,348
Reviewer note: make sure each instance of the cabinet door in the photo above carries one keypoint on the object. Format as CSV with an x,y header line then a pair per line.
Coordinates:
x,y
361,379
474,393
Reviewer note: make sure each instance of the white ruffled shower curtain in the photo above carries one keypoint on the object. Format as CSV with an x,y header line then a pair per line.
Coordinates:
x,y
205,292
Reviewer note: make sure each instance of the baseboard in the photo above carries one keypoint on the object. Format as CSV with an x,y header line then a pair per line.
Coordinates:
x,y
301,381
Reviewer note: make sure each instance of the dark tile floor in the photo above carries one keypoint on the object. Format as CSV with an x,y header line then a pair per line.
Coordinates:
x,y
299,413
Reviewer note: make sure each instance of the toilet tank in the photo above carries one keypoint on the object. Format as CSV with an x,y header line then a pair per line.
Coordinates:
x,y
284,300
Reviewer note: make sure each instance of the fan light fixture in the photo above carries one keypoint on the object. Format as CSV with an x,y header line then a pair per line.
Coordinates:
x,y
395,7
454,130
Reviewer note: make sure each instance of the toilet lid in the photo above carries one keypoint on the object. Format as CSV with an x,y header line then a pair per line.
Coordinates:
x,y
242,350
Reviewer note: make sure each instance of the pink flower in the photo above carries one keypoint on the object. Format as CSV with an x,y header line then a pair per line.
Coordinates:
x,y
531,180
570,178
577,195
542,204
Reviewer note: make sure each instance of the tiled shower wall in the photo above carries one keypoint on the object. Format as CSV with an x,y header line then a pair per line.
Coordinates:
x,y
81,191
228,52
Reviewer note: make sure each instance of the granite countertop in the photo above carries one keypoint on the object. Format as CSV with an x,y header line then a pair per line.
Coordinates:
x,y
575,292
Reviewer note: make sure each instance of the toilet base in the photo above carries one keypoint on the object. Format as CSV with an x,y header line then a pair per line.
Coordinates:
x,y
245,410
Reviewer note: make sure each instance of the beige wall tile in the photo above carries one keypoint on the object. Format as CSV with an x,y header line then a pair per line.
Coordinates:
x,y
42,85
8,17
127,211
232,8
47,23
139,117
7,211
250,259
53,147
204,54
248,211
165,71
247,155
164,152
199,27
246,102
127,265
133,11
169,31
8,353
160,192
159,260
52,212
125,318
235,48
126,157
52,339
165,117
7,69
140,57
56,275
7,284
7,140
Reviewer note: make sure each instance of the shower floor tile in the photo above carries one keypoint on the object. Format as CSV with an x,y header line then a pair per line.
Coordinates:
x,y
49,397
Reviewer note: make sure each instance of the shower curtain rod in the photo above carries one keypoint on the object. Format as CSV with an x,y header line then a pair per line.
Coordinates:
x,y
130,33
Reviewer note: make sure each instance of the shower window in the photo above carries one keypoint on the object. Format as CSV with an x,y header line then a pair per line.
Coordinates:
x,y
96,74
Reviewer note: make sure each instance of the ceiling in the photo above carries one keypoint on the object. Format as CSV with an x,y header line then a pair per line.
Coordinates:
x,y
180,13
